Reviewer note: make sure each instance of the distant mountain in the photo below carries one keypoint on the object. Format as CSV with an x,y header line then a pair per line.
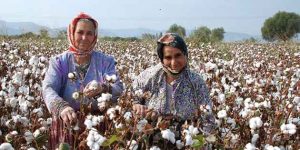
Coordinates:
x,y
233,36
16,28
127,32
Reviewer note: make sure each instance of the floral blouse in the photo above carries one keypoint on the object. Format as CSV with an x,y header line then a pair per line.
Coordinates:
x,y
58,88
188,93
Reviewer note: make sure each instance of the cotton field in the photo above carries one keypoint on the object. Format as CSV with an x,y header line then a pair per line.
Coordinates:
x,y
255,89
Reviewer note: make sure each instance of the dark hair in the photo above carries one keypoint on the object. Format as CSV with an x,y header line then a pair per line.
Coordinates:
x,y
171,39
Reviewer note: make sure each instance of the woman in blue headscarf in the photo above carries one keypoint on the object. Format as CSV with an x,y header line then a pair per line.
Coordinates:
x,y
174,89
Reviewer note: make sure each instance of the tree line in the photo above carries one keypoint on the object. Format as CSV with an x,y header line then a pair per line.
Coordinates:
x,y
281,27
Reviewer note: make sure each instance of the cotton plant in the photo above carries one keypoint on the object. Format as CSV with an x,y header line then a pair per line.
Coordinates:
x,y
10,136
133,145
92,121
6,146
94,139
255,123
28,137
205,109
104,100
270,147
222,114
168,135
36,133
38,111
111,78
288,129
154,148
254,139
141,124
179,144
128,116
250,146
111,112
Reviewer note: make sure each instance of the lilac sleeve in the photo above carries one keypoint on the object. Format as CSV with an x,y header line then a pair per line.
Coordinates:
x,y
52,85
117,87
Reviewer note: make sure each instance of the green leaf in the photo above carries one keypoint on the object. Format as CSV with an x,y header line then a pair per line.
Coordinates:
x,y
41,139
64,146
198,141
111,140
197,144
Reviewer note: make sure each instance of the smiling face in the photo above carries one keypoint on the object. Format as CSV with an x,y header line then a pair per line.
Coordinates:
x,y
174,59
84,35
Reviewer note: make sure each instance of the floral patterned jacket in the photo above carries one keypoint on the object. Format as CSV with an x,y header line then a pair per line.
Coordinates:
x,y
58,89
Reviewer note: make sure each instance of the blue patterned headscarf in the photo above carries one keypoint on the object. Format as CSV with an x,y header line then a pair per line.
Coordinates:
x,y
171,39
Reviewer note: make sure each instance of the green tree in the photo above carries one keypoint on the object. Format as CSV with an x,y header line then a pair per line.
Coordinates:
x,y
217,35
282,26
177,29
201,34
44,33
27,35
62,34
148,36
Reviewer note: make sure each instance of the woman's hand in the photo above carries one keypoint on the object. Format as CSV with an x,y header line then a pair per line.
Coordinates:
x,y
144,111
139,109
93,89
68,116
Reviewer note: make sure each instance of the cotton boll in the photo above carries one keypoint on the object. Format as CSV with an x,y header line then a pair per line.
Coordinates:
x,y
193,130
288,128
34,60
222,114
234,138
113,78
76,128
141,124
12,102
255,122
270,147
28,137
36,133
221,98
179,144
168,135
296,100
93,85
188,140
43,59
102,105
38,111
94,139
250,146
88,123
27,71
71,75
254,138
133,145
108,78
6,146
75,95
106,96
139,93
127,116
119,125
211,138
154,148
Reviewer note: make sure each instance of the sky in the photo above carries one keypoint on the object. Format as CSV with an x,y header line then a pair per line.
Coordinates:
x,y
241,16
